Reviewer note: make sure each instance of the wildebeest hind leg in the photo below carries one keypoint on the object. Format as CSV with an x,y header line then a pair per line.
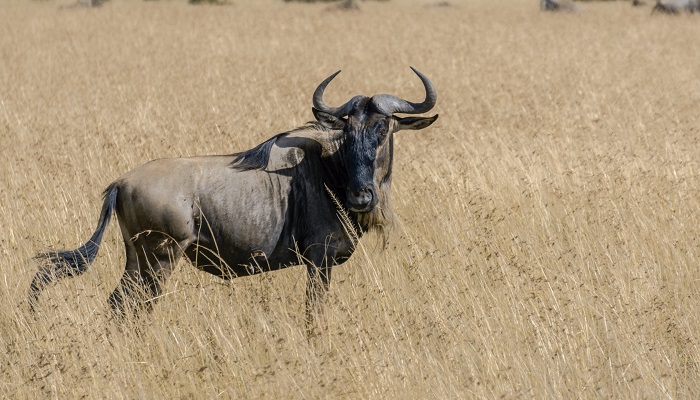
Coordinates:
x,y
125,294
149,262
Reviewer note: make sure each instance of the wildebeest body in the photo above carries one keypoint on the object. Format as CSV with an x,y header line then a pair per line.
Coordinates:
x,y
248,217
221,229
276,205
233,222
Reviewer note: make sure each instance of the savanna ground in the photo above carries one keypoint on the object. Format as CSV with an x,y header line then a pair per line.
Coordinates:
x,y
547,236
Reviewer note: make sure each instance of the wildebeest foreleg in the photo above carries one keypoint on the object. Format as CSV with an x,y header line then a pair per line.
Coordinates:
x,y
319,261
317,285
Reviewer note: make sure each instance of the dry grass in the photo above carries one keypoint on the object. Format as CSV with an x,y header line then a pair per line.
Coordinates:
x,y
549,221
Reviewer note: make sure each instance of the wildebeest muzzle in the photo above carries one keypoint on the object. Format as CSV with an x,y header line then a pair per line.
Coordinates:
x,y
363,199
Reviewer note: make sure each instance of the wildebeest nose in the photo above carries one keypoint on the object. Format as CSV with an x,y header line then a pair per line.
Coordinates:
x,y
359,200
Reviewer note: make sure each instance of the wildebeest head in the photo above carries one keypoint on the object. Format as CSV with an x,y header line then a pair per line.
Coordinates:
x,y
368,124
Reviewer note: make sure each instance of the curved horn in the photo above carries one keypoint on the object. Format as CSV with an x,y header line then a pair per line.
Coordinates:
x,y
388,104
321,106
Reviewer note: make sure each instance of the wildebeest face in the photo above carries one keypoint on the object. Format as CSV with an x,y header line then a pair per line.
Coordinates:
x,y
368,125
365,136
368,149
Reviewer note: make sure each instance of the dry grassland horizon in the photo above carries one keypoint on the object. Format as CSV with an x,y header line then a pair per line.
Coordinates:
x,y
547,243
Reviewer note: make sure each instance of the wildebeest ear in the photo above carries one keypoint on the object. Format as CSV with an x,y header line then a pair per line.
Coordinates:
x,y
328,120
415,123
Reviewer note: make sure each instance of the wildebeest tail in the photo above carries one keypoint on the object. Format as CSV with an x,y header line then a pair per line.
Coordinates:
x,y
68,263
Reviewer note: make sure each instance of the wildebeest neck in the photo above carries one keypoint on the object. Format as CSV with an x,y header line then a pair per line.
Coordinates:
x,y
335,168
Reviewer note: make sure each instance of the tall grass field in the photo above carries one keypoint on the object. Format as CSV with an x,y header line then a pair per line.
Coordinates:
x,y
547,242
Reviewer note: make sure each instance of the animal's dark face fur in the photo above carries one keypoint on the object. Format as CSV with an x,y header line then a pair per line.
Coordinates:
x,y
367,153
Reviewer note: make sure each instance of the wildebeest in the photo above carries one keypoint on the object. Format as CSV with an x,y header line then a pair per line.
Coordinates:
x,y
664,8
263,209
346,5
676,6
692,6
557,5
84,3
549,5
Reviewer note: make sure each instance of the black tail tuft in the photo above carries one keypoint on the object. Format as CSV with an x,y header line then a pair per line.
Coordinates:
x,y
69,263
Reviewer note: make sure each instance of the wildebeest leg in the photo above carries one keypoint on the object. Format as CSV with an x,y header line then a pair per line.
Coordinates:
x,y
124,296
319,262
317,285
149,261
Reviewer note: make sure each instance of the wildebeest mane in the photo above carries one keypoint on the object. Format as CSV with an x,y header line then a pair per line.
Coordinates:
x,y
255,158
259,156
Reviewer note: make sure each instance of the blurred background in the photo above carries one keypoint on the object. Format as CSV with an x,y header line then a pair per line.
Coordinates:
x,y
546,243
